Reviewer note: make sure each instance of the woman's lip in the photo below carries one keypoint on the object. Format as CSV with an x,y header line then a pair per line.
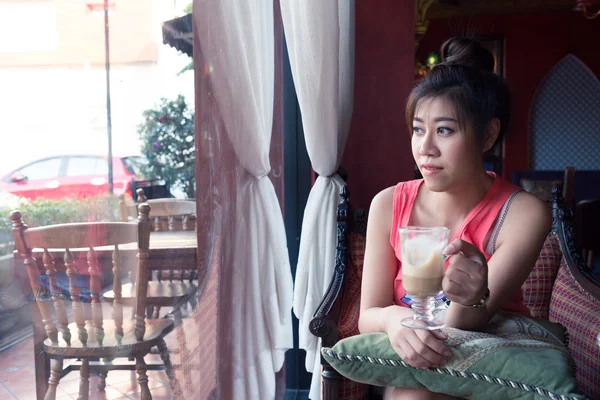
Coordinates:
x,y
429,171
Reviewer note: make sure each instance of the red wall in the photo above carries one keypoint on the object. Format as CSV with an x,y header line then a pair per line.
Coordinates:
x,y
533,45
377,153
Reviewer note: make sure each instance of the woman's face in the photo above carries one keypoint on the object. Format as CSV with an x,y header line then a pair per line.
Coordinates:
x,y
447,156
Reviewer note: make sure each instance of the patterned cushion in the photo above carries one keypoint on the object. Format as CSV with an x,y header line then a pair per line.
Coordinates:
x,y
350,310
510,360
537,289
578,311
348,322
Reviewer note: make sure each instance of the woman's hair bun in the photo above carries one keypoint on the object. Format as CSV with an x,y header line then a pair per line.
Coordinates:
x,y
466,51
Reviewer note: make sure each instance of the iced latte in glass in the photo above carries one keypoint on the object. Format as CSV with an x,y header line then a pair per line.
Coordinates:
x,y
422,272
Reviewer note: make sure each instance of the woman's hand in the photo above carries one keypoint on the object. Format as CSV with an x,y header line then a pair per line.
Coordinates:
x,y
466,278
418,348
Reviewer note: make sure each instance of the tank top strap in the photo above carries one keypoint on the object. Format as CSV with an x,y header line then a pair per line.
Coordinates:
x,y
484,216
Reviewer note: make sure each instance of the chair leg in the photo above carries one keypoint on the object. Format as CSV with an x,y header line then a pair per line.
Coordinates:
x,y
56,365
156,314
166,359
193,301
330,383
84,380
180,334
140,368
102,383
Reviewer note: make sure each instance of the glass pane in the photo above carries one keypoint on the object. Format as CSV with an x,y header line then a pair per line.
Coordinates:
x,y
87,166
45,169
155,107
135,165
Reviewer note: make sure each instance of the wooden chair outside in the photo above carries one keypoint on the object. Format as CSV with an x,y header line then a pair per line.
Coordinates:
x,y
91,339
171,283
173,215
169,221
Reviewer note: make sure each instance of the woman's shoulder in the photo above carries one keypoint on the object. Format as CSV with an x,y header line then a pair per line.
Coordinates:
x,y
385,198
386,206
525,201
381,213
527,213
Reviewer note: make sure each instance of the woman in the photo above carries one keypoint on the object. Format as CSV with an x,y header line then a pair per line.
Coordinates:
x,y
456,114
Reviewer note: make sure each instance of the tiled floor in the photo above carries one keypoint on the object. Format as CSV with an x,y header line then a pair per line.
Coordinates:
x,y
17,379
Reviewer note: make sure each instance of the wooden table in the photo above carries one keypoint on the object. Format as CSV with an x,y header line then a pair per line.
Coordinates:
x,y
178,247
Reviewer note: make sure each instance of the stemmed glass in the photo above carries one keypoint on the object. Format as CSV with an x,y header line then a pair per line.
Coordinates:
x,y
422,272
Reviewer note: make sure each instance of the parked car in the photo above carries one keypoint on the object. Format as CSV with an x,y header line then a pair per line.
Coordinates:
x,y
77,176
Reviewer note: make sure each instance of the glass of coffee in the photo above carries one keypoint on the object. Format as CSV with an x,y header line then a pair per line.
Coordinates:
x,y
422,272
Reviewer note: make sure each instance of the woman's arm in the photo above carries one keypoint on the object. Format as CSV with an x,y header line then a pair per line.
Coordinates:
x,y
518,246
379,267
417,347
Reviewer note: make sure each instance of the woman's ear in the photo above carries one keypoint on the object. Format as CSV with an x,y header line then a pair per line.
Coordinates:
x,y
492,130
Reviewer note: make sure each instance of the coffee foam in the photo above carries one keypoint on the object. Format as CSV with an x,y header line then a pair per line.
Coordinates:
x,y
422,257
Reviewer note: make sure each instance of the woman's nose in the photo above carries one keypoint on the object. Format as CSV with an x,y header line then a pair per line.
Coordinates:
x,y
428,146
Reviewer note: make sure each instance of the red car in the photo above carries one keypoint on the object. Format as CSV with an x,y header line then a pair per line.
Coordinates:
x,y
73,176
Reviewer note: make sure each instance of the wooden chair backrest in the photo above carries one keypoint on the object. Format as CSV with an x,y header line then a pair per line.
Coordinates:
x,y
587,226
127,211
74,237
541,183
167,213
172,207
568,189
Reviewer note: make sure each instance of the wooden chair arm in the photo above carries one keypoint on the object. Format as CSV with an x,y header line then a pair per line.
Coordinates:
x,y
325,318
562,217
324,323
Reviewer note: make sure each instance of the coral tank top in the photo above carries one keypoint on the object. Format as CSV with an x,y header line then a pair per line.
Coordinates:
x,y
474,229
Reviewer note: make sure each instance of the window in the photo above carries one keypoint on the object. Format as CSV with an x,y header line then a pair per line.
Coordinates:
x,y
135,165
45,169
87,166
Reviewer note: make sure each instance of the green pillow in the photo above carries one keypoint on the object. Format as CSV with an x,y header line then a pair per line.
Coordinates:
x,y
516,358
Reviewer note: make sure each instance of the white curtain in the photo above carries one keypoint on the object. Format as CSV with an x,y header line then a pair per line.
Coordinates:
x,y
320,40
237,44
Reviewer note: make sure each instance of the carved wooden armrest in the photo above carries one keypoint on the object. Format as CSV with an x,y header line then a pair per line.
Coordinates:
x,y
324,321
325,318
562,217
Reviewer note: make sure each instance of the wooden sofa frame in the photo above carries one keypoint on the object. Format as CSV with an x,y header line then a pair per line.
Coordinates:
x,y
324,323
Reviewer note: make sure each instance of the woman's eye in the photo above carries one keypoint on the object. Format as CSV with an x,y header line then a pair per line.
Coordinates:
x,y
444,131
417,130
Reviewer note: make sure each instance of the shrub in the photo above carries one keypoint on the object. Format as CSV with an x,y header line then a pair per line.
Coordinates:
x,y
41,212
167,136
